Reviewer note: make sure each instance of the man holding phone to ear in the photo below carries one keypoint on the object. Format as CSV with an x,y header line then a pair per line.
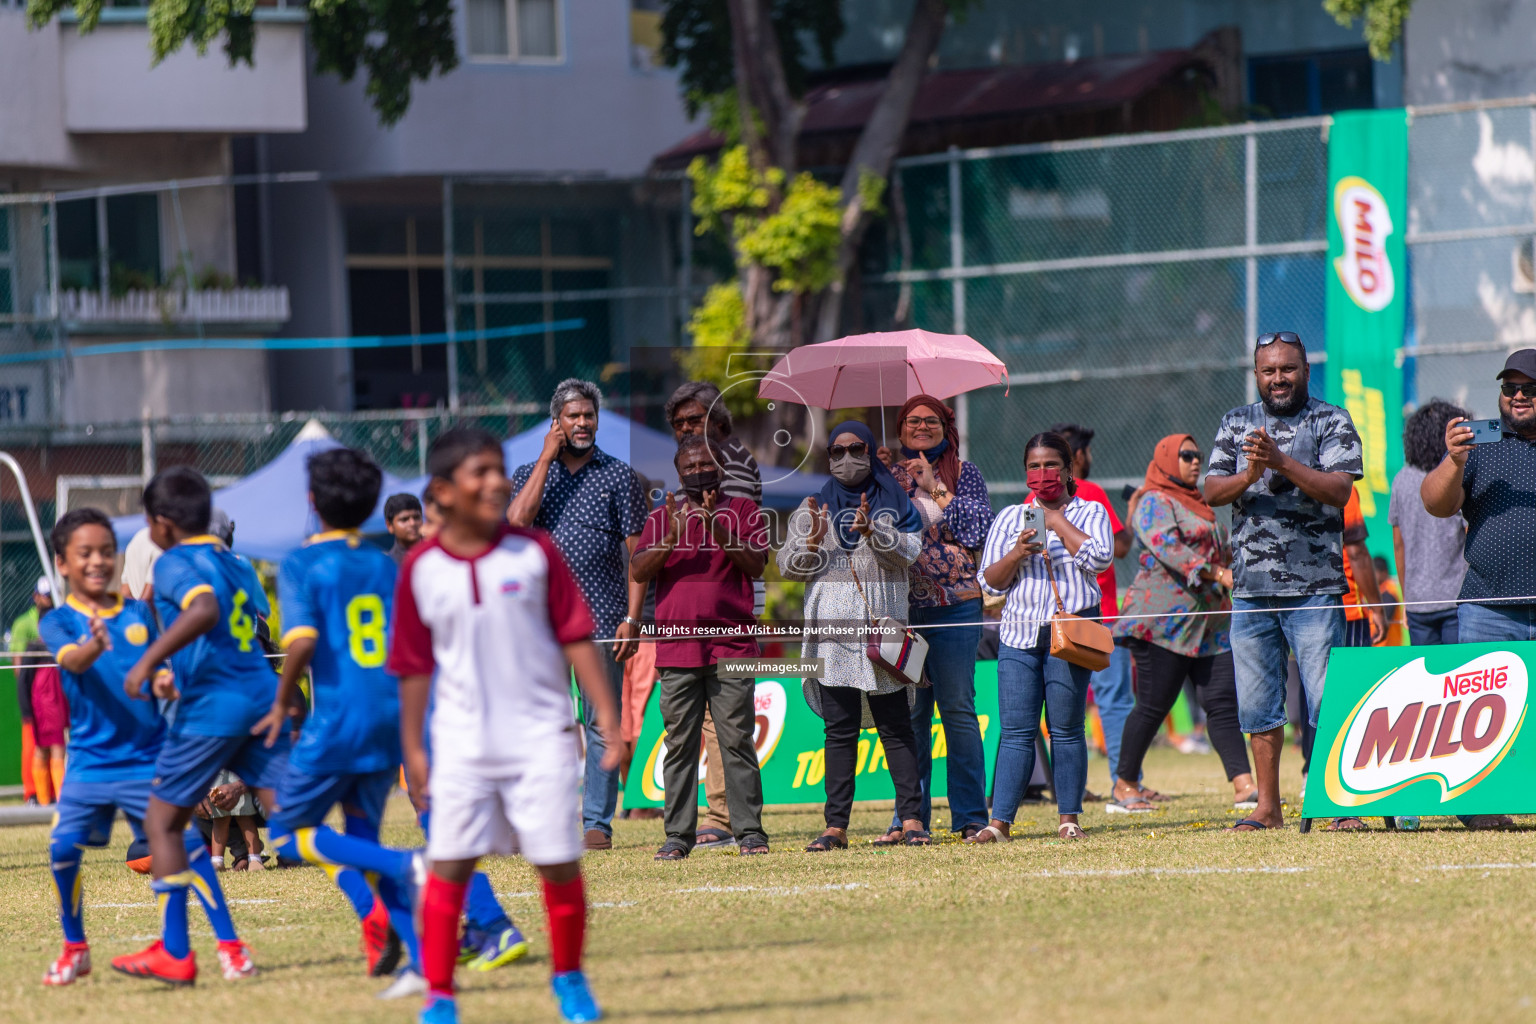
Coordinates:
x,y
1490,484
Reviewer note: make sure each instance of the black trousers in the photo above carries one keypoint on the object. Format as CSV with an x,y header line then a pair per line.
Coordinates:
x,y
842,712
1160,675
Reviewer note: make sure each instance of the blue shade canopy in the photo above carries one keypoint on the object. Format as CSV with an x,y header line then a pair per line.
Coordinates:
x,y
270,507
650,453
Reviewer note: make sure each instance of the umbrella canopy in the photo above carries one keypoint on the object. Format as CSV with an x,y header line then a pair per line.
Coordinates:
x,y
883,369
650,453
270,507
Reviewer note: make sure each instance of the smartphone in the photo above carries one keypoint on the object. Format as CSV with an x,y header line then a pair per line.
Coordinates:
x,y
1034,519
1485,431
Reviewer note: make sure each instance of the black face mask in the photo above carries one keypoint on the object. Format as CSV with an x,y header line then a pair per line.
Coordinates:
x,y
695,484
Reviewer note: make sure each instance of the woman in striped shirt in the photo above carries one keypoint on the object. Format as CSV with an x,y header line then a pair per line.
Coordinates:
x,y
1079,543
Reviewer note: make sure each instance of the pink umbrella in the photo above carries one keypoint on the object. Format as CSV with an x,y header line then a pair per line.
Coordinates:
x,y
882,369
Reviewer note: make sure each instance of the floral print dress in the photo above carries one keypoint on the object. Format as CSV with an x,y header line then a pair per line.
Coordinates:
x,y
1173,546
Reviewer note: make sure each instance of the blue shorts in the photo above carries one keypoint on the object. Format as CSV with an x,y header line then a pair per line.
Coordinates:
x,y
89,808
188,764
303,800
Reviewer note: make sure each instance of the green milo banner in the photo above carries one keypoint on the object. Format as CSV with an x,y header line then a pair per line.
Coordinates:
x,y
789,741
1366,294
1424,731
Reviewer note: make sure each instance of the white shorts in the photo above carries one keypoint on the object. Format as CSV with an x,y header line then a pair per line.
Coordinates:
x,y
534,810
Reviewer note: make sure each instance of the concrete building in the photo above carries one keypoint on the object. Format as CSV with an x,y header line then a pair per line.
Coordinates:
x,y
87,110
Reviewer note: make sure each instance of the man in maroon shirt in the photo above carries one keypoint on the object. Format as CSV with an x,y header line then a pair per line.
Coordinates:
x,y
704,551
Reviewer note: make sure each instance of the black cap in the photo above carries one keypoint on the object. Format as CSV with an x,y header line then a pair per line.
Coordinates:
x,y
1521,361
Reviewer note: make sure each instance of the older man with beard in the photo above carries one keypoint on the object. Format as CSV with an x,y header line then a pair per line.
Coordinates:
x,y
1286,465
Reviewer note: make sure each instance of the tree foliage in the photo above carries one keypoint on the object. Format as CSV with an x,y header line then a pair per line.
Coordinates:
x,y
696,36
1384,21
394,42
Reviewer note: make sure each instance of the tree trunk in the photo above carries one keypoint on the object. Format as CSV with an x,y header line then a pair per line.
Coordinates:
x,y
770,116
877,147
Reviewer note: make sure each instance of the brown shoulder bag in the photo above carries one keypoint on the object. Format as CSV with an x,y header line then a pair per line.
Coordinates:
x,y
1074,639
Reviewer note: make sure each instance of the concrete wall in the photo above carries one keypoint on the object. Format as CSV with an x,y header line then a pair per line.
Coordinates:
x,y
117,388
591,113
32,111
1469,50
108,84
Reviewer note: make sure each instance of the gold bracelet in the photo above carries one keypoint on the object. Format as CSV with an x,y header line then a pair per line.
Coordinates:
x,y
937,493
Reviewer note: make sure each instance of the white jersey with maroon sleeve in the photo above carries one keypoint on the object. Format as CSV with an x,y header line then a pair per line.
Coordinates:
x,y
492,628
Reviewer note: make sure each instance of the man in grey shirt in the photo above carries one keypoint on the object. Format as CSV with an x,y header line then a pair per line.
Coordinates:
x,y
1429,551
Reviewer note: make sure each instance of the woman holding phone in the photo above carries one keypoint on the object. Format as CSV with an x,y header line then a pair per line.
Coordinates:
x,y
1071,536
1185,558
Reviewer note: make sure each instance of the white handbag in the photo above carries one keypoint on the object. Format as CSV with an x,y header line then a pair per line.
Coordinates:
x,y
892,644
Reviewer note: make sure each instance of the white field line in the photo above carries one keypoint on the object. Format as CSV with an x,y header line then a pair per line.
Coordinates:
x,y
1124,872
774,890
126,906
1485,867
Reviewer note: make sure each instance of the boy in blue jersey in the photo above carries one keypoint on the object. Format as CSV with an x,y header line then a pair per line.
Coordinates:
x,y
97,636
223,686
336,594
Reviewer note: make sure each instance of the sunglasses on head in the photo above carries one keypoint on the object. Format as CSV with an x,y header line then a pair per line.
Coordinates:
x,y
1289,337
1189,455
858,450
1526,390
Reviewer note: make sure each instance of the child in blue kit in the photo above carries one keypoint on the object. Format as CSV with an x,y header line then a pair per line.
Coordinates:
x,y
97,636
223,686
336,593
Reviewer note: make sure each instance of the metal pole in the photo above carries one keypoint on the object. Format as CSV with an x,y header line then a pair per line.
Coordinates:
x,y
32,523
685,241
450,300
957,287
55,312
103,260
1251,264
147,441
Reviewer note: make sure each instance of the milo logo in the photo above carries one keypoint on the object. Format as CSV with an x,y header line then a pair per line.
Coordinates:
x,y
770,706
1453,727
1364,224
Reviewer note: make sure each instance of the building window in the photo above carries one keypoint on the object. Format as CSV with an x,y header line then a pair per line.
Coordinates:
x,y
1310,84
7,302
522,30
395,283
111,239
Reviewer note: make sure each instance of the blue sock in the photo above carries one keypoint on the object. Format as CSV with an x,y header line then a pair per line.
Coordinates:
x,y
324,845
398,902
172,892
64,858
209,892
481,910
355,885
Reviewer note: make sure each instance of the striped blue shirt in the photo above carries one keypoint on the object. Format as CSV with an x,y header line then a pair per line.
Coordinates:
x,y
1030,604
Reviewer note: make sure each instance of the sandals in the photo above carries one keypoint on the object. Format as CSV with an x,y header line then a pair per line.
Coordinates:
x,y
1247,802
893,837
1344,825
672,849
988,834
712,839
752,846
1153,796
1137,804
917,837
827,841
1070,830
969,831
1254,825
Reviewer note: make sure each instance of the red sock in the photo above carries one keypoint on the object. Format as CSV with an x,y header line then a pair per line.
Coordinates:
x,y
565,904
441,905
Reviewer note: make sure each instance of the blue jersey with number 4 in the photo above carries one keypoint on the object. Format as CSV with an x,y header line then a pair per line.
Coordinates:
x,y
112,737
339,591
225,680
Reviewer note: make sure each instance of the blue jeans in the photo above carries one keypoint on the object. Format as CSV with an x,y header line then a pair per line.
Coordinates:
x,y
599,788
951,668
1305,626
1427,628
1112,691
1026,680
1480,623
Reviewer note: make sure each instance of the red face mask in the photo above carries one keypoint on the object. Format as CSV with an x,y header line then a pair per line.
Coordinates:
x,y
1046,483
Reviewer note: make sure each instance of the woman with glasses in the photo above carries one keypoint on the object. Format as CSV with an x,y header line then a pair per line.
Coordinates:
x,y
852,545
951,498
1073,544
1185,556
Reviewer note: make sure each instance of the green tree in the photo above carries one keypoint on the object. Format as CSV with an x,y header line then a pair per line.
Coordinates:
x,y
394,42
1384,21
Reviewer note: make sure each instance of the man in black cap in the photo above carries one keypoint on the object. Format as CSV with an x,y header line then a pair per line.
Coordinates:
x,y
1491,486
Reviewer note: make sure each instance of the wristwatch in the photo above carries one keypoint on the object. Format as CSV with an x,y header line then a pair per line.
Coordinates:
x,y
938,492
631,620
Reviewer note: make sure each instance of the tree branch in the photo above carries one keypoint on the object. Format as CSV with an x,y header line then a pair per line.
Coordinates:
x,y
770,114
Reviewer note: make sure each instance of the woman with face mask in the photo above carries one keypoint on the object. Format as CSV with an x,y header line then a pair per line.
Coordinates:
x,y
1079,544
851,545
1184,555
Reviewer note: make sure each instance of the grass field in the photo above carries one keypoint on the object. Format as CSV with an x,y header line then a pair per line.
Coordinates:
x,y
1160,917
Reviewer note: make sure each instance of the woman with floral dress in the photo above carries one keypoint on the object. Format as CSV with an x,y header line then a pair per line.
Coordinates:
x,y
1184,555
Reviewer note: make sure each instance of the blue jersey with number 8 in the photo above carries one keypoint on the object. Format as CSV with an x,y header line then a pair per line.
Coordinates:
x,y
339,591
225,680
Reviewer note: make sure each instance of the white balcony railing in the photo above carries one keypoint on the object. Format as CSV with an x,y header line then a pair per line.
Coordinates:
x,y
234,306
